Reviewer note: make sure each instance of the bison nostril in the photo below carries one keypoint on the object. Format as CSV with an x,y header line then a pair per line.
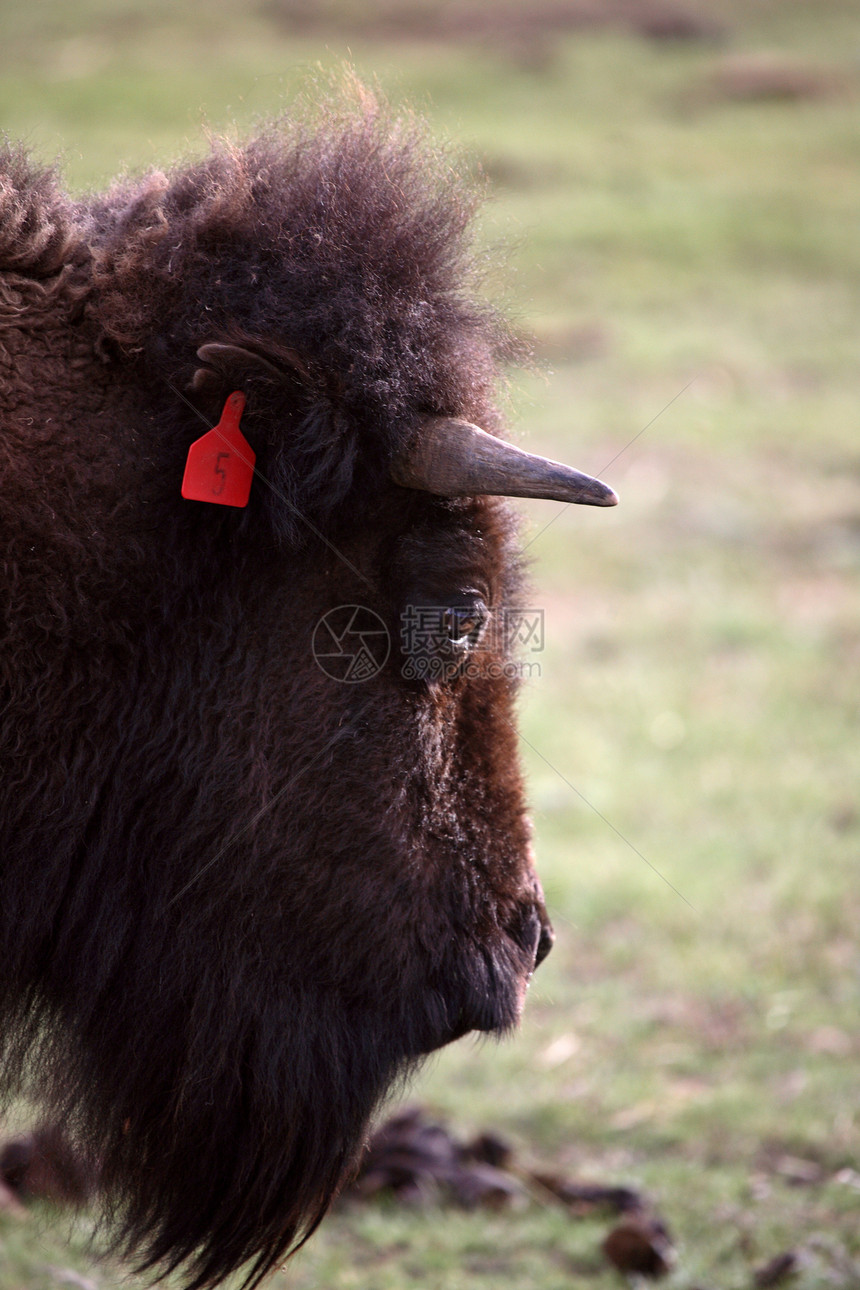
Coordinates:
x,y
534,935
545,943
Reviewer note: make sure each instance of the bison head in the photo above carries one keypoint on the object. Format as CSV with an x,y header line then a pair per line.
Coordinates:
x,y
262,848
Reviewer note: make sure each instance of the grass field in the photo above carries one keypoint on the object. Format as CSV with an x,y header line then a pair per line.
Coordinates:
x,y
681,224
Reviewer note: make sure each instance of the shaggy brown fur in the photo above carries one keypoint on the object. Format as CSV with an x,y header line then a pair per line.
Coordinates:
x,y
238,899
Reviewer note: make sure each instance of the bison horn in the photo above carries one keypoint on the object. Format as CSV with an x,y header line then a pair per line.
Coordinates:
x,y
454,458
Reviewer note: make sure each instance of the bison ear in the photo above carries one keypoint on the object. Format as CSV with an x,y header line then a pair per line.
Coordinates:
x,y
234,361
228,365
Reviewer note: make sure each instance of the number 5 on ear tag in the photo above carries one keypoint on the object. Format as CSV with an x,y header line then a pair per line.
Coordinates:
x,y
220,465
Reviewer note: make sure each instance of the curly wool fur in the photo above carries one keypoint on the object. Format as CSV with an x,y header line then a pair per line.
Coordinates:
x,y
238,900
345,244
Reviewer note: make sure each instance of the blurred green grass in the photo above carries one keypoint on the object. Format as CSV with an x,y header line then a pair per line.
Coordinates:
x,y
688,261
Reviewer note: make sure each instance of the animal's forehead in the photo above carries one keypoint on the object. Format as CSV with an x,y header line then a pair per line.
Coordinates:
x,y
450,548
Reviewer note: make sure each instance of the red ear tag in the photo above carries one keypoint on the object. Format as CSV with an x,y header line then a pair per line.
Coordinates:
x,y
220,464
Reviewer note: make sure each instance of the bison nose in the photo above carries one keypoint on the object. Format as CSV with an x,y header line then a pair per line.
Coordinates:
x,y
546,940
535,935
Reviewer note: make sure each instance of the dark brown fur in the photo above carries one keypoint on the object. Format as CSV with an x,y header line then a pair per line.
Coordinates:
x,y
238,899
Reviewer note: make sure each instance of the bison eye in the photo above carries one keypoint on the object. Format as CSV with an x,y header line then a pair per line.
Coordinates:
x,y
438,638
463,624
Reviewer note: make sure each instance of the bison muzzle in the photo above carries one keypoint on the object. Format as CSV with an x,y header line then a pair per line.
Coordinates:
x,y
241,897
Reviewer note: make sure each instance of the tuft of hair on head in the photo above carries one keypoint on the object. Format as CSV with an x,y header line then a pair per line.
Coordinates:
x,y
342,237
36,220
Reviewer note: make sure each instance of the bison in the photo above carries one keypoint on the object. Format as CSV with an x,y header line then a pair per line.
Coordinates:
x,y
243,893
